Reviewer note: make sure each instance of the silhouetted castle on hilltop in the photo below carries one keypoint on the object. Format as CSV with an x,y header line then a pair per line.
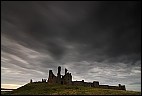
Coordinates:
x,y
67,80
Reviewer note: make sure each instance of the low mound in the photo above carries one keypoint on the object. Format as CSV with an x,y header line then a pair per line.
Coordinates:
x,y
45,89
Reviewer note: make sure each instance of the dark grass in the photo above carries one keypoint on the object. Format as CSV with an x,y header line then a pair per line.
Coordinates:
x,y
45,89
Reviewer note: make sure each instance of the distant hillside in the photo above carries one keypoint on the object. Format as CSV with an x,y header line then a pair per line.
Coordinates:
x,y
45,89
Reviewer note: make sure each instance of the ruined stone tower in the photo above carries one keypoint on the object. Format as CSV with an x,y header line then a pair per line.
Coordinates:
x,y
59,75
60,79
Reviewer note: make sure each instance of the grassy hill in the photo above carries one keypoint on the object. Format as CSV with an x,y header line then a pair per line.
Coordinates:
x,y
45,89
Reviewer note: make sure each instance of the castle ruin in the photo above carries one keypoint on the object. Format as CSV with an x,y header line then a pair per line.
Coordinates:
x,y
60,79
67,80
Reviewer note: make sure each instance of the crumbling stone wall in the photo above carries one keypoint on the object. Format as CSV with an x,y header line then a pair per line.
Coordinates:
x,y
52,78
67,79
113,87
95,84
78,83
103,86
121,87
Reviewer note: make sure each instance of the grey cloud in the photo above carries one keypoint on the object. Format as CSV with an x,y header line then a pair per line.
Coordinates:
x,y
49,26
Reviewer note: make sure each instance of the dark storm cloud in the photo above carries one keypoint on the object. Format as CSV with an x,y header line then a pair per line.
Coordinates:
x,y
92,37
113,25
117,28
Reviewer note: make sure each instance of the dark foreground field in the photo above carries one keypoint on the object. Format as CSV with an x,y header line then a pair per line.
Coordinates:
x,y
45,89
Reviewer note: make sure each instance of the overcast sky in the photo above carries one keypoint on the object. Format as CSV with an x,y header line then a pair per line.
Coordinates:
x,y
95,41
